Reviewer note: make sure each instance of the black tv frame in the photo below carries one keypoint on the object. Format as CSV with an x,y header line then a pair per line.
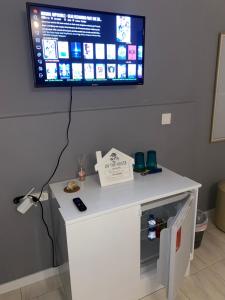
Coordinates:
x,y
86,83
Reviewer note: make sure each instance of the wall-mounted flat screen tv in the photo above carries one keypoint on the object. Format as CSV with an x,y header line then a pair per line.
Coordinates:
x,y
77,47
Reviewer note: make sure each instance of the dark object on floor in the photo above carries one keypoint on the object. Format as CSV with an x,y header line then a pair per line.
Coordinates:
x,y
220,206
201,226
198,239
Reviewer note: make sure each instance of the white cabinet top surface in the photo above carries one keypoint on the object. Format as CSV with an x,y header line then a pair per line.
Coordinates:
x,y
101,200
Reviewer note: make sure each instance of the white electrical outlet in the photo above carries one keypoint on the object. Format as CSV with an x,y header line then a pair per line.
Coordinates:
x,y
44,196
166,119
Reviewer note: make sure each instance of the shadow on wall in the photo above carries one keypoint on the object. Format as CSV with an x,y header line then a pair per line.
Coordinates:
x,y
213,193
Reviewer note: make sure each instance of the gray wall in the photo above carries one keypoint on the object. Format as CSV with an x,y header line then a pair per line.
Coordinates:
x,y
181,46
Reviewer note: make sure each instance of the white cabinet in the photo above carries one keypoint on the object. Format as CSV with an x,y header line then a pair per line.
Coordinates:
x,y
104,256
104,253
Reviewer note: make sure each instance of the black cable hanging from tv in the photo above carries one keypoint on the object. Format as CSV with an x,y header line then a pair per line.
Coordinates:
x,y
52,175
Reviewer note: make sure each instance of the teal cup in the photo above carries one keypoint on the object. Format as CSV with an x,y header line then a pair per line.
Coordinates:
x,y
139,165
151,162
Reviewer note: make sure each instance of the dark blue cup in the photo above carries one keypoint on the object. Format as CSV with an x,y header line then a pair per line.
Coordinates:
x,y
151,163
139,165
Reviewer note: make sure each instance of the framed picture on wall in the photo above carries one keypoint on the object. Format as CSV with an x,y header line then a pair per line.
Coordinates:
x,y
218,117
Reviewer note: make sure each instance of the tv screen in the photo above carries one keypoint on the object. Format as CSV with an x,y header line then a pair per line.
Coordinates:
x,y
76,47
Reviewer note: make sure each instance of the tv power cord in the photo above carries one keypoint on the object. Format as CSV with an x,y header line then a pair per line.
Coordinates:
x,y
38,199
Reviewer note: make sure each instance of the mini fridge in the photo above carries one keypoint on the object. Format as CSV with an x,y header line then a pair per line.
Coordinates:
x,y
165,260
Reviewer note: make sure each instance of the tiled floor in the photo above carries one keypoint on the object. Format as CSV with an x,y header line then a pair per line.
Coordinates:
x,y
207,280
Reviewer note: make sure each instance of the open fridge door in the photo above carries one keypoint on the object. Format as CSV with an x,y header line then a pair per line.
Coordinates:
x,y
175,248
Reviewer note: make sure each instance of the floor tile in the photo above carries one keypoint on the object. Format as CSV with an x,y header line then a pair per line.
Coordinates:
x,y
205,285
191,289
42,287
219,268
54,295
211,249
14,295
219,235
161,295
197,264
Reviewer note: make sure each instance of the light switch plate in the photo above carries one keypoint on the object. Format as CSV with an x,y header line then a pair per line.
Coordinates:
x,y
166,119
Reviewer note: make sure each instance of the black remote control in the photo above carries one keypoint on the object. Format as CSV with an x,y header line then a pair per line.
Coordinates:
x,y
79,204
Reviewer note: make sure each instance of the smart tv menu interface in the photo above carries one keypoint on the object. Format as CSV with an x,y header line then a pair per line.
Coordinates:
x,y
80,47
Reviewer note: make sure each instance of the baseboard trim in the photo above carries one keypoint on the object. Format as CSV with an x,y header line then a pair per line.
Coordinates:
x,y
33,278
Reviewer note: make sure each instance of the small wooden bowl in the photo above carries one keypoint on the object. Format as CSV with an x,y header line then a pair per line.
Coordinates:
x,y
70,191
